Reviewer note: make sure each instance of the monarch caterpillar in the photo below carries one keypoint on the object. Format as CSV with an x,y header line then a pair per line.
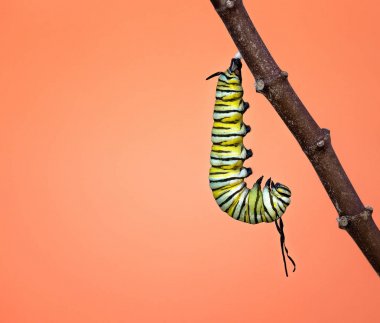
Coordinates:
x,y
228,154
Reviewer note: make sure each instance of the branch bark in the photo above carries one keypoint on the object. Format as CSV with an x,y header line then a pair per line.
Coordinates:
x,y
315,142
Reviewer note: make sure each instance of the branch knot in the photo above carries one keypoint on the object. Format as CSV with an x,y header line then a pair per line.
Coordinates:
x,y
221,5
345,220
262,84
320,143
230,3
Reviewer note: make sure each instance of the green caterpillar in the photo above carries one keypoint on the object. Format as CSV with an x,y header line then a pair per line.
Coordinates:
x,y
228,154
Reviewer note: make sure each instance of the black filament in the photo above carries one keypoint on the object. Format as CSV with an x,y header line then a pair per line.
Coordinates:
x,y
280,229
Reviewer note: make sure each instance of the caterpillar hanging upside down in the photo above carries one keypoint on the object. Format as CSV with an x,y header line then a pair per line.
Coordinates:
x,y
228,154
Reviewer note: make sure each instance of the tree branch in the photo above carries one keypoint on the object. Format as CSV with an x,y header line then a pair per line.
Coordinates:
x,y
314,141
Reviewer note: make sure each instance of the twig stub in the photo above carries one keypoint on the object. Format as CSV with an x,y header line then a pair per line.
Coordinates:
x,y
320,144
264,84
221,5
345,220
230,3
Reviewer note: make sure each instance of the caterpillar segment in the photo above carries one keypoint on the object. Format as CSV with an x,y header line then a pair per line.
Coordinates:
x,y
228,154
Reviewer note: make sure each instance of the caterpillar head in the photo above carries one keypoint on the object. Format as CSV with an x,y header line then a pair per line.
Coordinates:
x,y
233,71
235,67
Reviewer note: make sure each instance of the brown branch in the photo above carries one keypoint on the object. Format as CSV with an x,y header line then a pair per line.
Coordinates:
x,y
314,141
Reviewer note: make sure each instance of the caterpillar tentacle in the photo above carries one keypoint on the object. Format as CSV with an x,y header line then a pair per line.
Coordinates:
x,y
227,173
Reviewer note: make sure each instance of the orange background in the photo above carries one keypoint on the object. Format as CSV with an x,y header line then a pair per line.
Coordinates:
x,y
105,120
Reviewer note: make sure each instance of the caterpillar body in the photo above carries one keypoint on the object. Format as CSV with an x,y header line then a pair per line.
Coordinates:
x,y
227,173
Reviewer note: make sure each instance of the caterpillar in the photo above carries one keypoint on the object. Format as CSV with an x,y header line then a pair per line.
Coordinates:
x,y
227,173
